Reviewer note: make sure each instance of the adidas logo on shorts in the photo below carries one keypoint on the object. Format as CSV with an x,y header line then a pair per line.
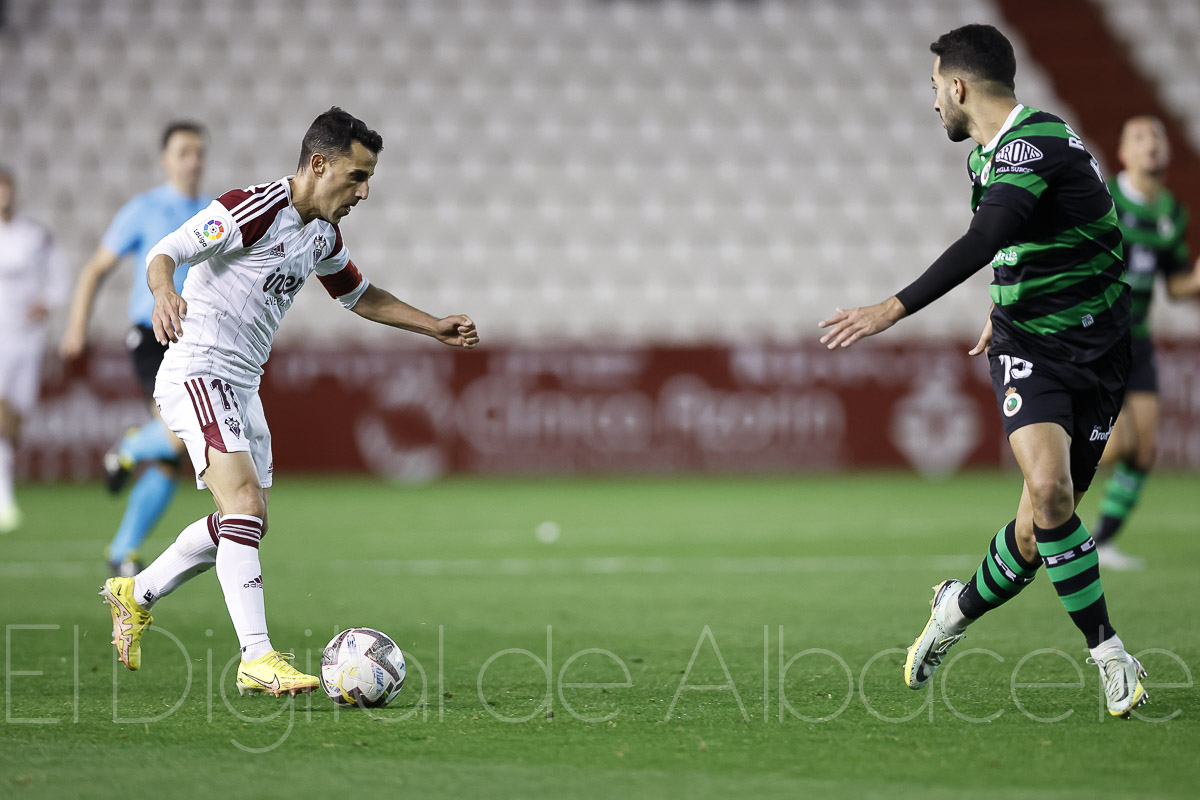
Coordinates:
x,y
254,584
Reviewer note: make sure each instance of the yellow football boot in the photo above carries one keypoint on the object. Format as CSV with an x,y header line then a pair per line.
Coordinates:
x,y
273,674
129,620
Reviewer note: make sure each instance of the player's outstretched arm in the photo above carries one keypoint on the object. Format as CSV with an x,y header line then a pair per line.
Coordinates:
x,y
848,326
385,308
74,338
169,308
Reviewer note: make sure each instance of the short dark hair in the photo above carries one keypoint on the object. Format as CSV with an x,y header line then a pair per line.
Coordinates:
x,y
980,51
332,135
182,126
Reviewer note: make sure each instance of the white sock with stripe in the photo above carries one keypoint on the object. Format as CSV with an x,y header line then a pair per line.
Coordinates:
x,y
194,551
240,574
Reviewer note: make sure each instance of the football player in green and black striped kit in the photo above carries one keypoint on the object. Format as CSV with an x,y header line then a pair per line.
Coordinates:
x,y
1153,224
1057,343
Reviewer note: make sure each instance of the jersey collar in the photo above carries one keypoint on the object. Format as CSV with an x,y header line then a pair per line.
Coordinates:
x,y
1129,190
1008,123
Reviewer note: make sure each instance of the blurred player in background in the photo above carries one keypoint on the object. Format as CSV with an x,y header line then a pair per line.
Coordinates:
x,y
33,281
251,251
1057,342
137,227
1153,224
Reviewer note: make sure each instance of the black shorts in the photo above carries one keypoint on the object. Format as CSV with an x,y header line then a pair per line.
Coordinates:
x,y
1084,399
146,355
1143,374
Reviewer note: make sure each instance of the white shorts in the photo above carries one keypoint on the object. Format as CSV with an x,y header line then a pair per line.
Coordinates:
x,y
20,376
207,412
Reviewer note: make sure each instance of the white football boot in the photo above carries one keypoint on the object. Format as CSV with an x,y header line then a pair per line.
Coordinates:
x,y
927,651
1123,688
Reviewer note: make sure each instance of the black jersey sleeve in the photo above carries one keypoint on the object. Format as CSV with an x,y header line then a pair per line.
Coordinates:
x,y
1021,171
991,229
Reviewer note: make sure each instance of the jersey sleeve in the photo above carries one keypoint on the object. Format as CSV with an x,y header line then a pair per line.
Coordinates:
x,y
339,275
211,232
123,236
1021,171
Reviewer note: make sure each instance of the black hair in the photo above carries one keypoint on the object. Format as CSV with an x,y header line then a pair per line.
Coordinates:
x,y
332,135
980,51
182,126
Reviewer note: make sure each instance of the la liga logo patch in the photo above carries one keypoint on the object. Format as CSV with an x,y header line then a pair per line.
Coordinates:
x,y
214,229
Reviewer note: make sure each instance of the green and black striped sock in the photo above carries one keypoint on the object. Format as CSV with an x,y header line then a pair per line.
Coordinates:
x,y
1073,567
1121,494
1002,574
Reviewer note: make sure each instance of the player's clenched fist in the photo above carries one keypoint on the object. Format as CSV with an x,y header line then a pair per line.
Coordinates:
x,y
169,312
457,330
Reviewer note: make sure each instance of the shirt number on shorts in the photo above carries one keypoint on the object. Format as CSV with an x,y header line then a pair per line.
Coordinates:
x,y
1014,368
228,398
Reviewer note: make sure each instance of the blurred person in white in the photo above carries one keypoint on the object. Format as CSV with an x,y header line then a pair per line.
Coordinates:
x,y
33,282
138,226
251,251
1154,227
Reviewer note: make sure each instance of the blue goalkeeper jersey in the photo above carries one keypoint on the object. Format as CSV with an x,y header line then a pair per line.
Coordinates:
x,y
138,226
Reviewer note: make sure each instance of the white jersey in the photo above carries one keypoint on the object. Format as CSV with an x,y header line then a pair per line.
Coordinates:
x,y
249,255
33,272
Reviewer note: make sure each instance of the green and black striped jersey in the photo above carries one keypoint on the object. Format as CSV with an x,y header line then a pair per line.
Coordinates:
x,y
1154,233
1058,285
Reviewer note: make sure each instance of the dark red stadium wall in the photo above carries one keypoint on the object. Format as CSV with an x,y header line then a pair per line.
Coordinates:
x,y
430,411
1092,71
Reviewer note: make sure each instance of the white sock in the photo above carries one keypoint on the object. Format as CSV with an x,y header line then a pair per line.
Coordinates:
x,y
955,620
240,574
6,473
1112,646
194,551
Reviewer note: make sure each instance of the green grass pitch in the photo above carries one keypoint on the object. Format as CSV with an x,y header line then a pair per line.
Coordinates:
x,y
639,653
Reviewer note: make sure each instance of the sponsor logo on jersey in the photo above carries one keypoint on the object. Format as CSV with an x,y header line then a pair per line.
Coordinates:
x,y
278,252
1012,402
282,284
1008,257
320,244
1018,153
1087,321
214,229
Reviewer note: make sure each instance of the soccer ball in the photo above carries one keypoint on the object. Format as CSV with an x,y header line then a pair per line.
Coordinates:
x,y
362,667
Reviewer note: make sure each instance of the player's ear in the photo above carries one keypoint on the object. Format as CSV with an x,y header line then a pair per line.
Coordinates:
x,y
959,89
317,164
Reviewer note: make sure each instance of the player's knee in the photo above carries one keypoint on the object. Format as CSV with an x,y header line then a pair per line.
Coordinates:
x,y
1053,499
248,500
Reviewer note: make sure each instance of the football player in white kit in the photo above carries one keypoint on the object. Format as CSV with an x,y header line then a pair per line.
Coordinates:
x,y
33,281
250,252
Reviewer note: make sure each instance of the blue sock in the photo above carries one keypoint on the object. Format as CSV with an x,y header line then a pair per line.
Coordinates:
x,y
150,497
148,443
